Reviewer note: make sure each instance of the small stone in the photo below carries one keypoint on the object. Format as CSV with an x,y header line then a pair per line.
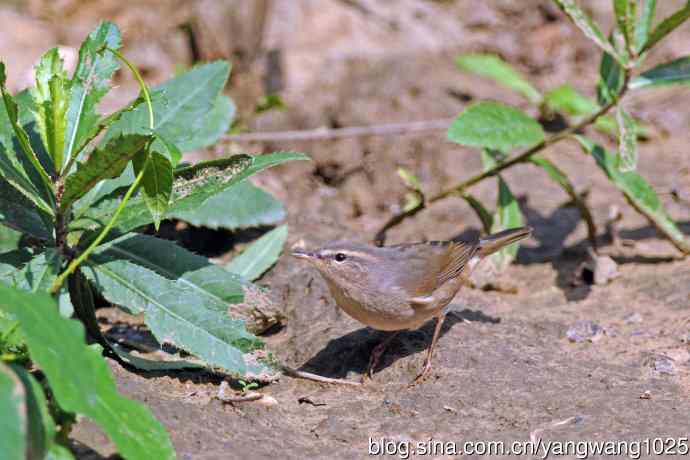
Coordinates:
x,y
633,317
585,330
665,365
646,395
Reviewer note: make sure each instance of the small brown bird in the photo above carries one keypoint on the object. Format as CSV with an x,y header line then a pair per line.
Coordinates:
x,y
394,288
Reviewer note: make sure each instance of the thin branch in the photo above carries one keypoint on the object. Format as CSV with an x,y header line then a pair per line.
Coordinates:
x,y
337,133
317,378
380,236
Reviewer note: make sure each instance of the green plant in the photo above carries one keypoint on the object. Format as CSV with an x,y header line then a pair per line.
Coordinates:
x,y
498,129
247,386
75,188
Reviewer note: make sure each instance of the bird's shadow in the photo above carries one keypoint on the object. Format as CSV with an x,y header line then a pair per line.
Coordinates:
x,y
350,352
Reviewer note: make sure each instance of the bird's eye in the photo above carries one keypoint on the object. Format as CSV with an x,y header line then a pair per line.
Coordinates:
x,y
340,257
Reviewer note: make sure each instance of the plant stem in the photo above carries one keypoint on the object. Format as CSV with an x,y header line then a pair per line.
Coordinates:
x,y
140,80
380,237
74,264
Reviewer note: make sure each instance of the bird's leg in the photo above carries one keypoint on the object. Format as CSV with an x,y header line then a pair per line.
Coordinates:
x,y
376,354
430,353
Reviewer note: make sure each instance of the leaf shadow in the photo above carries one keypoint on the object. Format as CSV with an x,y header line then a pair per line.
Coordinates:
x,y
350,352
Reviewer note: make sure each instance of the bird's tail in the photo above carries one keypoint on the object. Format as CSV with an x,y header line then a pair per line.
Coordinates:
x,y
492,243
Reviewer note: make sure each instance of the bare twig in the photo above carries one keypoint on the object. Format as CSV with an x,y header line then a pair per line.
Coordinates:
x,y
336,133
380,236
317,378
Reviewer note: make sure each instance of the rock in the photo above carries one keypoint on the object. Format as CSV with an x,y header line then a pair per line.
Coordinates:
x,y
665,365
598,270
585,330
633,317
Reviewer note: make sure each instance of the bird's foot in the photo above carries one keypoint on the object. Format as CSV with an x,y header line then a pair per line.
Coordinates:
x,y
423,375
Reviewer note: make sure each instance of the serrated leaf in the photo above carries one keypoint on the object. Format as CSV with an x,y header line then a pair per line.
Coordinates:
x,y
667,26
626,17
193,185
184,298
558,176
13,415
492,66
156,183
627,140
676,72
496,126
89,84
260,255
103,163
241,205
644,24
38,275
51,99
80,379
639,193
185,108
15,169
18,213
586,25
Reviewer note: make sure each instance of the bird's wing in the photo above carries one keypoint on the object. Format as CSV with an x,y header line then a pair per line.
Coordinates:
x,y
424,267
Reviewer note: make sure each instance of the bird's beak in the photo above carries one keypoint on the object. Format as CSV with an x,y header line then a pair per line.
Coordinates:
x,y
303,254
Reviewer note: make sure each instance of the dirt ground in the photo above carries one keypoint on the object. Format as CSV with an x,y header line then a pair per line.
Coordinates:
x,y
504,366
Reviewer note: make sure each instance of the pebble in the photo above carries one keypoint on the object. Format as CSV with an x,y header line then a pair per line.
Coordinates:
x,y
585,330
633,317
664,365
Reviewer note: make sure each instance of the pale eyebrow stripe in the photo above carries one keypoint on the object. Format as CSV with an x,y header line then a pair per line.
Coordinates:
x,y
350,253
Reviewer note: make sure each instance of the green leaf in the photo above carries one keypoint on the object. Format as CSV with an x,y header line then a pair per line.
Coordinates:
x,y
626,17
586,25
567,100
495,126
80,379
14,168
89,84
492,66
484,214
156,183
9,238
667,26
185,109
184,298
508,215
18,213
639,193
558,176
192,187
627,140
241,205
41,427
644,24
13,415
611,80
260,255
216,123
38,275
103,163
51,98
672,73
